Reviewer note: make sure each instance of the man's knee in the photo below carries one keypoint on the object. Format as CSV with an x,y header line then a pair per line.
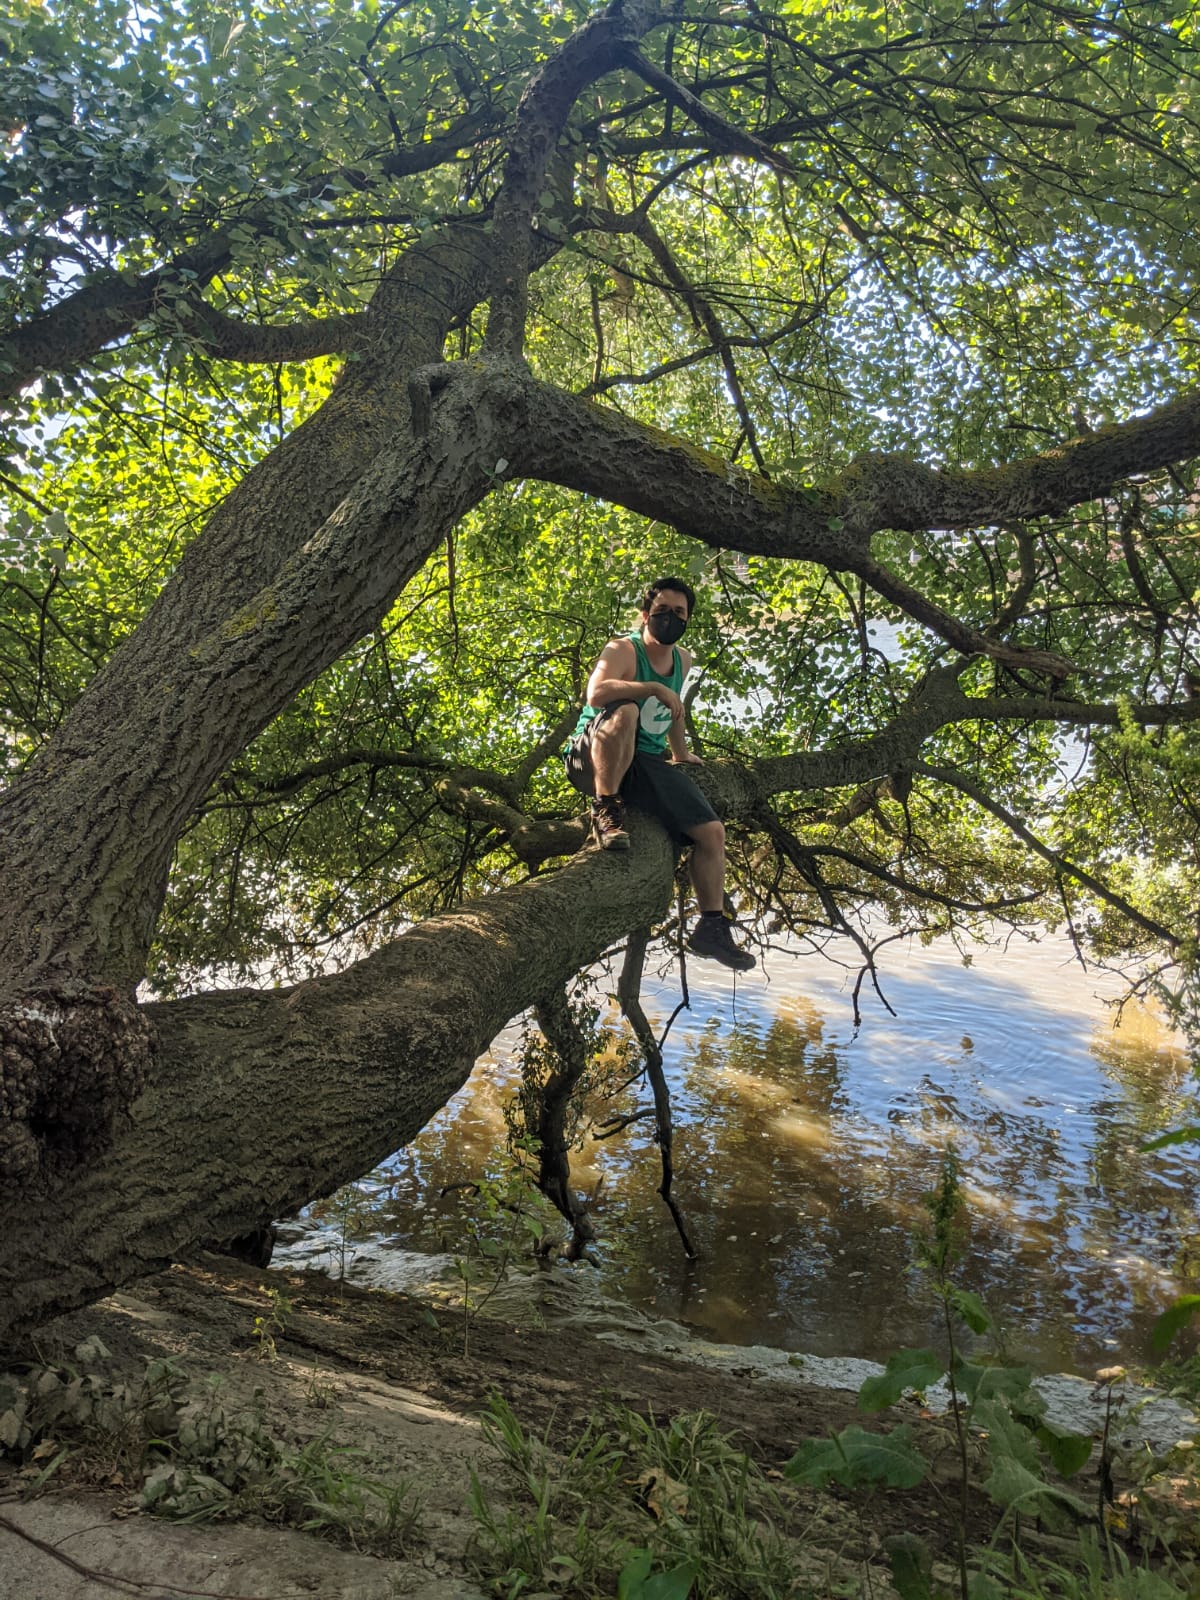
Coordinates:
x,y
618,722
708,835
625,715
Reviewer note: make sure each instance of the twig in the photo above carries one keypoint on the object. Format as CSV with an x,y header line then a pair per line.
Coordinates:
x,y
618,1124
629,989
112,1580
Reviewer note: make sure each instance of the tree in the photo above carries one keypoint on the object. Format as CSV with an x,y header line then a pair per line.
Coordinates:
x,y
361,361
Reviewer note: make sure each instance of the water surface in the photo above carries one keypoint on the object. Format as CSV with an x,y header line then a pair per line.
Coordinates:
x,y
804,1145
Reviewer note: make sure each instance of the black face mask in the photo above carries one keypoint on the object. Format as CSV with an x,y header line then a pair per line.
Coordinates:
x,y
665,626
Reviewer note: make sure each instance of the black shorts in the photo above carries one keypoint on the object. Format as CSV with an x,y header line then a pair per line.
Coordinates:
x,y
652,784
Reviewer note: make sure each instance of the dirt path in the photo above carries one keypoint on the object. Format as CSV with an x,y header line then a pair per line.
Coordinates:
x,y
382,1375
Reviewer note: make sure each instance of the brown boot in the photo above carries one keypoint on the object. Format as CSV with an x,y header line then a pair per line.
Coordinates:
x,y
711,938
608,822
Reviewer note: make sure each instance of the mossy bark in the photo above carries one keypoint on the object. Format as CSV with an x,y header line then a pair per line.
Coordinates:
x,y
260,1101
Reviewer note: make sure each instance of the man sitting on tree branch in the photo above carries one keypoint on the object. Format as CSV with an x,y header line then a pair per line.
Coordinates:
x,y
618,755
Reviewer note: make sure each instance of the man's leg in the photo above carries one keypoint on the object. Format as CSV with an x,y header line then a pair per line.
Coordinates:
x,y
614,739
611,748
711,936
708,865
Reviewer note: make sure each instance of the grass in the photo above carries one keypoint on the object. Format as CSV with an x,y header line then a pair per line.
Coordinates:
x,y
680,1494
674,1511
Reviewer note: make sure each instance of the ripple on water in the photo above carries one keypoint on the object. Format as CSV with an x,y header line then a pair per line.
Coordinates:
x,y
804,1145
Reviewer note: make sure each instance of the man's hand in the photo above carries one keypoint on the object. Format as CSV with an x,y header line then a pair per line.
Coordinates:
x,y
669,699
689,758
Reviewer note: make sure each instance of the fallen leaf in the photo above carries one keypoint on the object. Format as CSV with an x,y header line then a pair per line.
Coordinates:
x,y
661,1495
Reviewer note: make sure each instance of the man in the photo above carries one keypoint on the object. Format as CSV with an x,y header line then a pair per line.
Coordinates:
x,y
618,755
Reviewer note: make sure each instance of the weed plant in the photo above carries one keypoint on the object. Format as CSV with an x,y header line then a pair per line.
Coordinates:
x,y
671,1511
505,1219
998,1419
196,1458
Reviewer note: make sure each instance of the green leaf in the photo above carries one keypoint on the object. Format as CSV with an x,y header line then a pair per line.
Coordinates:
x,y
1012,1483
912,1566
979,1381
906,1370
1067,1451
638,1582
971,1309
855,1457
1017,1474
1173,1320
1007,1437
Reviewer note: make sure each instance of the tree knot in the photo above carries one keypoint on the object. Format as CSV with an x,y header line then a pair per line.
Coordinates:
x,y
70,1061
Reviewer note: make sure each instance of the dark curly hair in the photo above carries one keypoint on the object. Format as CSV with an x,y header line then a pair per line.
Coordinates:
x,y
680,587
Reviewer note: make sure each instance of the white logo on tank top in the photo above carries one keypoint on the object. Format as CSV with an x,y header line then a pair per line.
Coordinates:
x,y
654,717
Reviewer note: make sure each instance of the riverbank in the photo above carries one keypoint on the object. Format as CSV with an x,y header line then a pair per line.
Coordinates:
x,y
319,1369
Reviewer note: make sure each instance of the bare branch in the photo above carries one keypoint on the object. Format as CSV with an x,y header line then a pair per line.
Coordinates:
x,y
1016,602
704,316
723,136
629,993
545,748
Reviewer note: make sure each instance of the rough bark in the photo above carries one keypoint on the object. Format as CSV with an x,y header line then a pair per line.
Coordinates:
x,y
104,808
601,451
261,1101
200,1118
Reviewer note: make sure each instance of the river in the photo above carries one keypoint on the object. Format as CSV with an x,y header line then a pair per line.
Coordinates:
x,y
804,1145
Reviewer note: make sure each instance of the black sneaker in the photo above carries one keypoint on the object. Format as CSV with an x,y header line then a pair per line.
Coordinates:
x,y
608,822
711,937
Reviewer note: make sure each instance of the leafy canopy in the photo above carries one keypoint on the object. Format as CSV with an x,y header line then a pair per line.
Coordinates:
x,y
974,244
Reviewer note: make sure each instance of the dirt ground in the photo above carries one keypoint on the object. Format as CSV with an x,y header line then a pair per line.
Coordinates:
x,y
384,1375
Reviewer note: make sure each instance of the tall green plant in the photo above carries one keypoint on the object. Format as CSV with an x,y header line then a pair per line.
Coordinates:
x,y
986,1399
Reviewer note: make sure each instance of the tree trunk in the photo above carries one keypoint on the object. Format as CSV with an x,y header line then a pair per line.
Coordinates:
x,y
86,837
259,1102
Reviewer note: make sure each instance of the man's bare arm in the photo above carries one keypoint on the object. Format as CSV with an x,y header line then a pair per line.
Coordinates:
x,y
609,682
677,735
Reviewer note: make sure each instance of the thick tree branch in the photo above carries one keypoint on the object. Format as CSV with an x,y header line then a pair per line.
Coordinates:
x,y
1080,714
231,339
193,719
598,450
105,308
591,53
301,1090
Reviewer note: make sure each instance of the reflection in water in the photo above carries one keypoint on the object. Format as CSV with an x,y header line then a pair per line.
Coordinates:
x,y
803,1150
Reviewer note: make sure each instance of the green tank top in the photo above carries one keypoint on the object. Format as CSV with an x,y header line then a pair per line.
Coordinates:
x,y
654,720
